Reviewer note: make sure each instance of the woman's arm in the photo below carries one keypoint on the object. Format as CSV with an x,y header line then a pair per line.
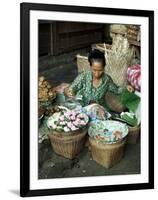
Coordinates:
x,y
113,87
75,86
116,89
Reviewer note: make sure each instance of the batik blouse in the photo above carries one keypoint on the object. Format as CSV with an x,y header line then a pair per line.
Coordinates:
x,y
83,86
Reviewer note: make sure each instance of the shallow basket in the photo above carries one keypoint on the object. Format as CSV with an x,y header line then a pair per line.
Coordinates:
x,y
133,134
107,155
68,145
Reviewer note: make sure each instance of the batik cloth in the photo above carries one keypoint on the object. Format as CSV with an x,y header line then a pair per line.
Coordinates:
x,y
83,87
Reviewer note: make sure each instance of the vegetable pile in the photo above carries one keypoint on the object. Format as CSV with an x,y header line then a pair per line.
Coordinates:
x,y
67,121
129,118
45,91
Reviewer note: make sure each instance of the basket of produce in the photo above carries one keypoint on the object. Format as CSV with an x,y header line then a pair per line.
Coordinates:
x,y
46,94
107,140
67,132
133,127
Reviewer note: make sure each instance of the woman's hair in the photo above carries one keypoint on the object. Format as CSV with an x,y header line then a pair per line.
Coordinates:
x,y
96,56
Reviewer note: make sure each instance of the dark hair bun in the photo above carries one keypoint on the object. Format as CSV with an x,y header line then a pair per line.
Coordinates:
x,y
96,55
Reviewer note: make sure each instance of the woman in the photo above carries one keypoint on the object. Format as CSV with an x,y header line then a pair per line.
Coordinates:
x,y
92,85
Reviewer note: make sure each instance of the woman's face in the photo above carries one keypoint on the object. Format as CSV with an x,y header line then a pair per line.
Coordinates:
x,y
97,69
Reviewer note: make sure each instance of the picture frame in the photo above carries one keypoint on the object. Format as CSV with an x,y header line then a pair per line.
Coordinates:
x,y
30,13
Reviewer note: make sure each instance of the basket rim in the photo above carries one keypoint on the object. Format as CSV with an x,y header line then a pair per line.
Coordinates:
x,y
66,134
98,142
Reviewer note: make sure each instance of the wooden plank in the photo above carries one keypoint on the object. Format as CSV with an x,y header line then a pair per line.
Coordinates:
x,y
63,37
44,39
133,42
54,39
67,44
71,27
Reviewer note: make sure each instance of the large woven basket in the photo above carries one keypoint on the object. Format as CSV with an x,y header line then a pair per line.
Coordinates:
x,y
68,145
133,134
107,155
114,103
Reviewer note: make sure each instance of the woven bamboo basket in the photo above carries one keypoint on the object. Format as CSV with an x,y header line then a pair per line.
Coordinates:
x,y
117,62
133,33
114,103
118,29
133,134
68,145
101,46
82,63
107,155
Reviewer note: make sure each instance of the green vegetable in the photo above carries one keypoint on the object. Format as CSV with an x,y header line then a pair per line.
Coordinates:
x,y
130,100
130,118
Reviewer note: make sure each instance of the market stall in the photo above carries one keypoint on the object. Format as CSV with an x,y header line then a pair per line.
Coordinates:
x,y
67,123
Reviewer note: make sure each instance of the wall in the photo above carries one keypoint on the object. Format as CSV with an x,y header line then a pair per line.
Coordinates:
x,y
63,37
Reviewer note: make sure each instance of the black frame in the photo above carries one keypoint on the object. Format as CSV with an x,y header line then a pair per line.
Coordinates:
x,y
25,95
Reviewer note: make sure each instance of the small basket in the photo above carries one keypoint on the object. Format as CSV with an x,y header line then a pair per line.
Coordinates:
x,y
68,145
133,135
107,155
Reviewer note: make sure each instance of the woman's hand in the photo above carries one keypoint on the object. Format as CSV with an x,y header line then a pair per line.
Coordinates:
x,y
60,88
130,88
94,107
68,92
101,112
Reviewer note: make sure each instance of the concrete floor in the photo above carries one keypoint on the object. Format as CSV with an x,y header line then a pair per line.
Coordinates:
x,y
63,73
62,68
52,165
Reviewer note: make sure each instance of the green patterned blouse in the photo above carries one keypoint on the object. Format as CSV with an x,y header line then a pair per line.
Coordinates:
x,y
83,86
